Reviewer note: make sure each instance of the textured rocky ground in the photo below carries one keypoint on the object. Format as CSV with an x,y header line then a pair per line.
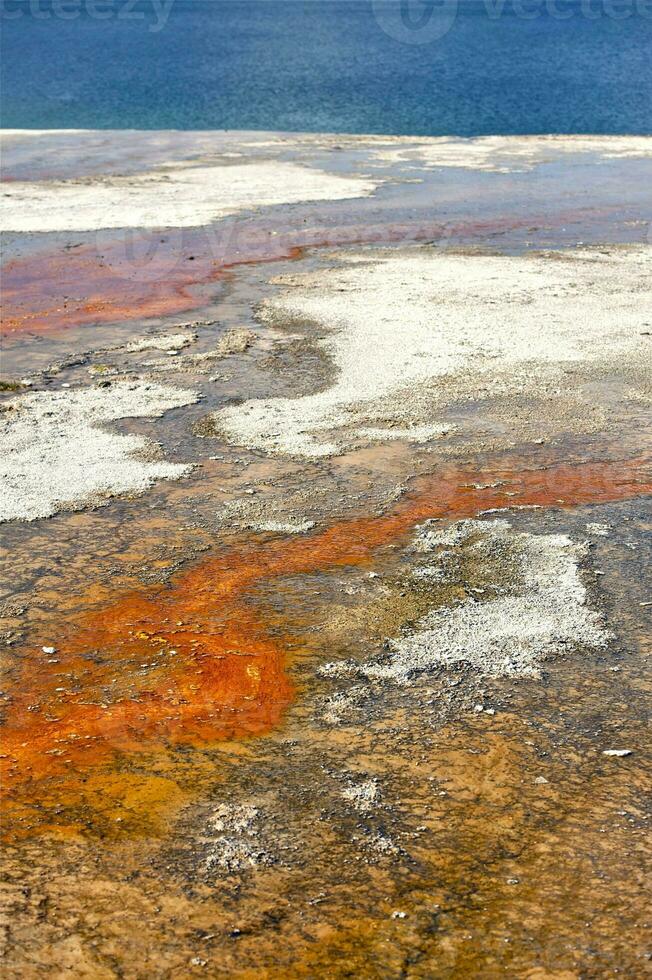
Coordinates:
x,y
325,594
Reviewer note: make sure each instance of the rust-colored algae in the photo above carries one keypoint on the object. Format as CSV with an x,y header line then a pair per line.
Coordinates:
x,y
133,674
139,274
191,663
50,292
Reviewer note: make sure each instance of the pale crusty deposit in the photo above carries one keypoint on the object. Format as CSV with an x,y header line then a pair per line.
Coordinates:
x,y
56,456
541,610
409,332
172,198
167,342
507,154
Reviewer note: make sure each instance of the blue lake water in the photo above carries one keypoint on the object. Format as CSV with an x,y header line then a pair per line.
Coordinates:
x,y
386,67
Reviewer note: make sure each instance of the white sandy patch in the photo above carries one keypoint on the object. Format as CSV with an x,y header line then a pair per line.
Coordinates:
x,y
175,198
599,530
233,836
544,613
55,455
235,341
507,154
499,323
283,527
412,433
171,341
27,133
362,796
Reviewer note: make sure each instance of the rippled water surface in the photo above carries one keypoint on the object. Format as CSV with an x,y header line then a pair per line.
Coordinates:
x,y
464,68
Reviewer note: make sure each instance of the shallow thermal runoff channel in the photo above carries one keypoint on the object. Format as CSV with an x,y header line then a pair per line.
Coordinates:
x,y
410,332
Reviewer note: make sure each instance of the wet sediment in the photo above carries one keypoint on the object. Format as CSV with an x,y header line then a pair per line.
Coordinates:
x,y
211,760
